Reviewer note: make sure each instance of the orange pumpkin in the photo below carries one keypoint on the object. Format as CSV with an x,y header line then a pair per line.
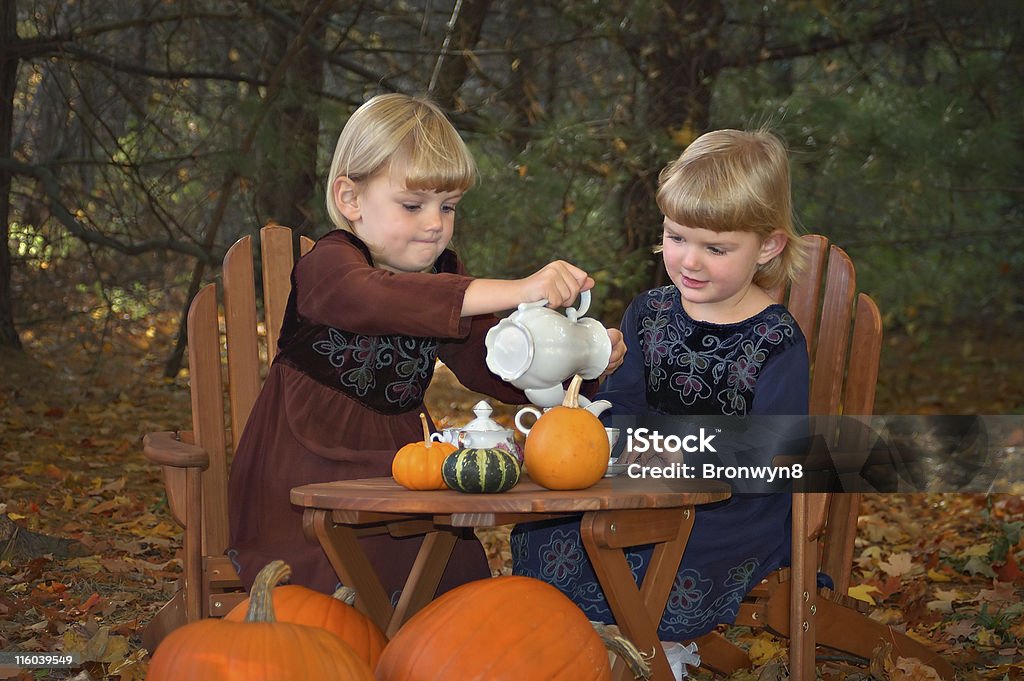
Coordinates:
x,y
258,649
301,605
498,629
417,465
568,447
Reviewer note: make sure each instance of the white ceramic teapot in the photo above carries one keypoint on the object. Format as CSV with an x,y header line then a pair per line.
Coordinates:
x,y
483,432
536,349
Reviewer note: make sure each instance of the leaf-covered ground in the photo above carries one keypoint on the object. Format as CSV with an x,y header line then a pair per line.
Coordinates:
x,y
88,551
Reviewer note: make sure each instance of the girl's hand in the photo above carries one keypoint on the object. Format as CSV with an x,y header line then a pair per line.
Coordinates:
x,y
618,352
559,282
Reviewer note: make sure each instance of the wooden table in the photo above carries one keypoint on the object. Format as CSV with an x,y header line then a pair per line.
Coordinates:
x,y
616,513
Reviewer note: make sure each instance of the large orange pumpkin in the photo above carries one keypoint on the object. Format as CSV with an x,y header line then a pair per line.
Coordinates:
x,y
568,447
417,465
258,649
498,629
301,605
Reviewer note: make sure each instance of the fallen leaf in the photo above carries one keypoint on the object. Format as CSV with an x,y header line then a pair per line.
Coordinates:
x,y
979,565
1008,571
898,564
912,669
862,592
762,650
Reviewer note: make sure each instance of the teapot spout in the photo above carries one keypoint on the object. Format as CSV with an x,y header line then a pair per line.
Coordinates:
x,y
597,407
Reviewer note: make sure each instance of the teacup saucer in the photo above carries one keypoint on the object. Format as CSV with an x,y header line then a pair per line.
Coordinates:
x,y
615,469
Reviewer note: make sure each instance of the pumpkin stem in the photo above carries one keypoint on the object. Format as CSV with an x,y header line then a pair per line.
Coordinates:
x,y
572,395
426,430
637,661
346,595
261,601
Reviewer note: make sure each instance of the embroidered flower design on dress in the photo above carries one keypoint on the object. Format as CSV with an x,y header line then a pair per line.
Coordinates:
x,y
688,592
708,368
362,360
561,558
334,347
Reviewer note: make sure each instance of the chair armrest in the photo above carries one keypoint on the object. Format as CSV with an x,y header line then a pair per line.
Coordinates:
x,y
167,449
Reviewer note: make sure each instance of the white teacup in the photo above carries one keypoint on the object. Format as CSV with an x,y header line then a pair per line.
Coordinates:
x,y
613,437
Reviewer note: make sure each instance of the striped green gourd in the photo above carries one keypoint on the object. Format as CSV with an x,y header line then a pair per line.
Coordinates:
x,y
481,470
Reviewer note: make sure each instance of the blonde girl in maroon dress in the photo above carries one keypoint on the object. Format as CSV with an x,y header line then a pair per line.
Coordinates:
x,y
373,305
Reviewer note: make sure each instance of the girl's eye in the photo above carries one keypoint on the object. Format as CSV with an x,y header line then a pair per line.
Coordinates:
x,y
448,208
714,250
674,239
411,207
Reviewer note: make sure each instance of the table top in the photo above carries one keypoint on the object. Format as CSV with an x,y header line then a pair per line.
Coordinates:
x,y
384,495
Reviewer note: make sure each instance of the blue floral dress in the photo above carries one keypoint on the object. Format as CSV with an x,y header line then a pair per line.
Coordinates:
x,y
676,365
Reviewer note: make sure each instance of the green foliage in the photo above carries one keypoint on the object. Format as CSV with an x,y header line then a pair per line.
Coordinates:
x,y
903,121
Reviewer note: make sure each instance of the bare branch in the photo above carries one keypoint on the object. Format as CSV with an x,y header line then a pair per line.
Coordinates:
x,y
55,203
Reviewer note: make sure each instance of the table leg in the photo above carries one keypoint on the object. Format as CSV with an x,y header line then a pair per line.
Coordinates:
x,y
637,612
355,570
425,575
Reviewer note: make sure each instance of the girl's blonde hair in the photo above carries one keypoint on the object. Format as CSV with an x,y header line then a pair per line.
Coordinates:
x,y
734,180
397,131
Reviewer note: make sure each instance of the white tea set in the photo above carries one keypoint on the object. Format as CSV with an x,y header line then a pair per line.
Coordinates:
x,y
536,349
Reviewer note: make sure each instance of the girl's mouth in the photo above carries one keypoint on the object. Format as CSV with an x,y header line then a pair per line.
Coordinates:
x,y
693,283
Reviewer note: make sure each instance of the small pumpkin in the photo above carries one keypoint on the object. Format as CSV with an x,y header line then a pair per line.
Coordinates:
x,y
481,470
258,649
417,465
567,448
301,605
508,628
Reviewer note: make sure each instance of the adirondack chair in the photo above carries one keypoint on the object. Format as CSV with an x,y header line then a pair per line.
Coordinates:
x,y
844,370
195,462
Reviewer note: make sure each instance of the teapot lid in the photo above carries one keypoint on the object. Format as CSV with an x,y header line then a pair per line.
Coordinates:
x,y
483,420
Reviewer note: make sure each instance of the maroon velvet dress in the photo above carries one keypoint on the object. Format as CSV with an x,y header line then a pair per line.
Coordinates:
x,y
357,351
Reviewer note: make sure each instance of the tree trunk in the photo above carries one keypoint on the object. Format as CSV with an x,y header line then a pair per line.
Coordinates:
x,y
678,54
287,178
8,84
297,50
450,70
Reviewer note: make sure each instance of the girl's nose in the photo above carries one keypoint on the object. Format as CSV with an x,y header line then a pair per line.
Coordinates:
x,y
691,259
435,219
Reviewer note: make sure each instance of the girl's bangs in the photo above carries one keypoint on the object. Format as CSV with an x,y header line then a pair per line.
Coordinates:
x,y
436,165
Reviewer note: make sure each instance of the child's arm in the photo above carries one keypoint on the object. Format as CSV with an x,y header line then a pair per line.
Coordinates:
x,y
559,282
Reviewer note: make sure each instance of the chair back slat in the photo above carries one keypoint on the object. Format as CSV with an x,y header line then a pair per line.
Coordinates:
x,y
305,244
277,253
866,348
240,334
858,401
830,352
804,295
207,390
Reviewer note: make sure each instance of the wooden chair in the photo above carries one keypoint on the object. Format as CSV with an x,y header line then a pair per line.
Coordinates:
x,y
844,340
195,463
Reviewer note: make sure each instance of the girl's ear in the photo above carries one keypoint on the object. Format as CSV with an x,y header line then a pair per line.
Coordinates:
x,y
771,246
346,198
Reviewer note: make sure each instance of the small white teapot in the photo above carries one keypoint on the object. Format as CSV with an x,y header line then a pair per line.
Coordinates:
x,y
536,348
483,432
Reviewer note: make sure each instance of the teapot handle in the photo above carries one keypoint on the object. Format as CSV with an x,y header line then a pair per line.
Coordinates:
x,y
573,313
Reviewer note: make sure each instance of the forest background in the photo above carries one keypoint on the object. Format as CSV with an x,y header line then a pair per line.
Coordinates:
x,y
139,140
